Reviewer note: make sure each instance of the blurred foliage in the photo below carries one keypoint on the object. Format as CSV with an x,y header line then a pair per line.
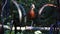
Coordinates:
x,y
48,13
47,18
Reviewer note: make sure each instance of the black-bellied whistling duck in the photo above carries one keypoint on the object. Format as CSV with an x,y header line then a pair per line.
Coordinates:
x,y
31,13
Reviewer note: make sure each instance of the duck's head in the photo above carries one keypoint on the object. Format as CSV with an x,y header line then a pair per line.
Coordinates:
x,y
33,6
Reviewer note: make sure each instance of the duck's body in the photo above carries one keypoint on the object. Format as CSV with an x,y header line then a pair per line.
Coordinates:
x,y
31,14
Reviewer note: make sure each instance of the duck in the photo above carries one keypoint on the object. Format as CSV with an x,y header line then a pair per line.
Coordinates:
x,y
31,13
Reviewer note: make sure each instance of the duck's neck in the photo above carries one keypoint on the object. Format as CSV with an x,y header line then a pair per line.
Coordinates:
x,y
32,8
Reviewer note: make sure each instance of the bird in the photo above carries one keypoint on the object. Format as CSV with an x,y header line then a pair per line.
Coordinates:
x,y
31,13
